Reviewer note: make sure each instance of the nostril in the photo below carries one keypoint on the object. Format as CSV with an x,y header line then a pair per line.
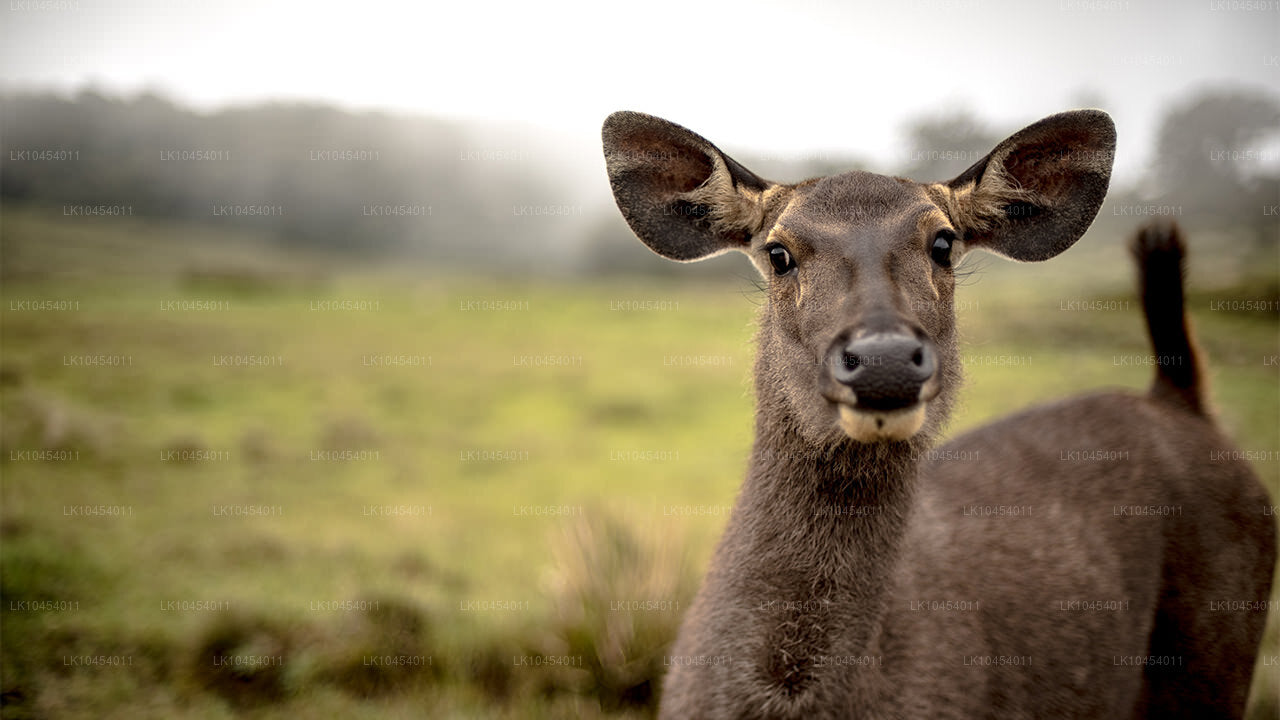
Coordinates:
x,y
885,371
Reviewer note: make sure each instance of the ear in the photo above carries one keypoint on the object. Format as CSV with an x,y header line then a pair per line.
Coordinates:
x,y
1038,191
681,196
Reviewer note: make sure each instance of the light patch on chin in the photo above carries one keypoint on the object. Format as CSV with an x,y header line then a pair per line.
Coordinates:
x,y
873,426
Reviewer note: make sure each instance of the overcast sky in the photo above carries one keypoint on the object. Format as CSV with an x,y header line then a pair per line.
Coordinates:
x,y
791,78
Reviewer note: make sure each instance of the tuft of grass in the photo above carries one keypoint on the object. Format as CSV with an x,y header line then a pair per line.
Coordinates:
x,y
243,659
618,592
45,584
348,433
34,420
379,652
257,446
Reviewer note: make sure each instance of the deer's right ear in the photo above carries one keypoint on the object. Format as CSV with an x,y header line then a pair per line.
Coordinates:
x,y
681,196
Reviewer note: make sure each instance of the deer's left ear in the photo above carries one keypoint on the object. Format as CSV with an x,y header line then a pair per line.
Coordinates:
x,y
1037,192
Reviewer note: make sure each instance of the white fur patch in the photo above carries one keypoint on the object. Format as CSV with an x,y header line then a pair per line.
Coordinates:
x,y
872,426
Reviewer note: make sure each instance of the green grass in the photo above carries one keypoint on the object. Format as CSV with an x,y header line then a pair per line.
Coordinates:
x,y
470,441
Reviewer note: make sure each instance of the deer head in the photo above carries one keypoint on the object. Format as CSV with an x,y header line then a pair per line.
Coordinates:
x,y
857,336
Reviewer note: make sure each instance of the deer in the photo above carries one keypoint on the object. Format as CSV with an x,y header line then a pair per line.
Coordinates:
x,y
866,572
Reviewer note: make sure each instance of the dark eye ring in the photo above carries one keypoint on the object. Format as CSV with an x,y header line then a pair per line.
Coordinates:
x,y
781,259
941,249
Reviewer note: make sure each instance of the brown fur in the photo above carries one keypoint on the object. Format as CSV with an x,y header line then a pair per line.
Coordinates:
x,y
1159,250
981,209
807,608
731,208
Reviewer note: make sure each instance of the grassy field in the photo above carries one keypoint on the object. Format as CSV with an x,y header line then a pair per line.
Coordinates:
x,y
382,491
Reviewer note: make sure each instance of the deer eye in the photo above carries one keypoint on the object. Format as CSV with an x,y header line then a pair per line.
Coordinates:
x,y
941,250
780,259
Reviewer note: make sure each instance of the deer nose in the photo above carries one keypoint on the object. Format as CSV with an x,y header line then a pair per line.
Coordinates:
x,y
884,370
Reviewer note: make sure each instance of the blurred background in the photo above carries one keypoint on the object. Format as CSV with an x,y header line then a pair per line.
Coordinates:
x,y
332,382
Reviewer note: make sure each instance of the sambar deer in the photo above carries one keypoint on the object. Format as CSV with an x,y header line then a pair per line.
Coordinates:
x,y
862,576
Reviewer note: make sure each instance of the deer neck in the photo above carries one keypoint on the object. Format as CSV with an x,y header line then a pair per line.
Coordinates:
x,y
821,529
842,507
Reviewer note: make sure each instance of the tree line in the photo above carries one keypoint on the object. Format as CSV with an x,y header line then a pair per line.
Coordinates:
x,y
377,185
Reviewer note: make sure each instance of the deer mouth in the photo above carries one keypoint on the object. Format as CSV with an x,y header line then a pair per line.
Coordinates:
x,y
869,426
